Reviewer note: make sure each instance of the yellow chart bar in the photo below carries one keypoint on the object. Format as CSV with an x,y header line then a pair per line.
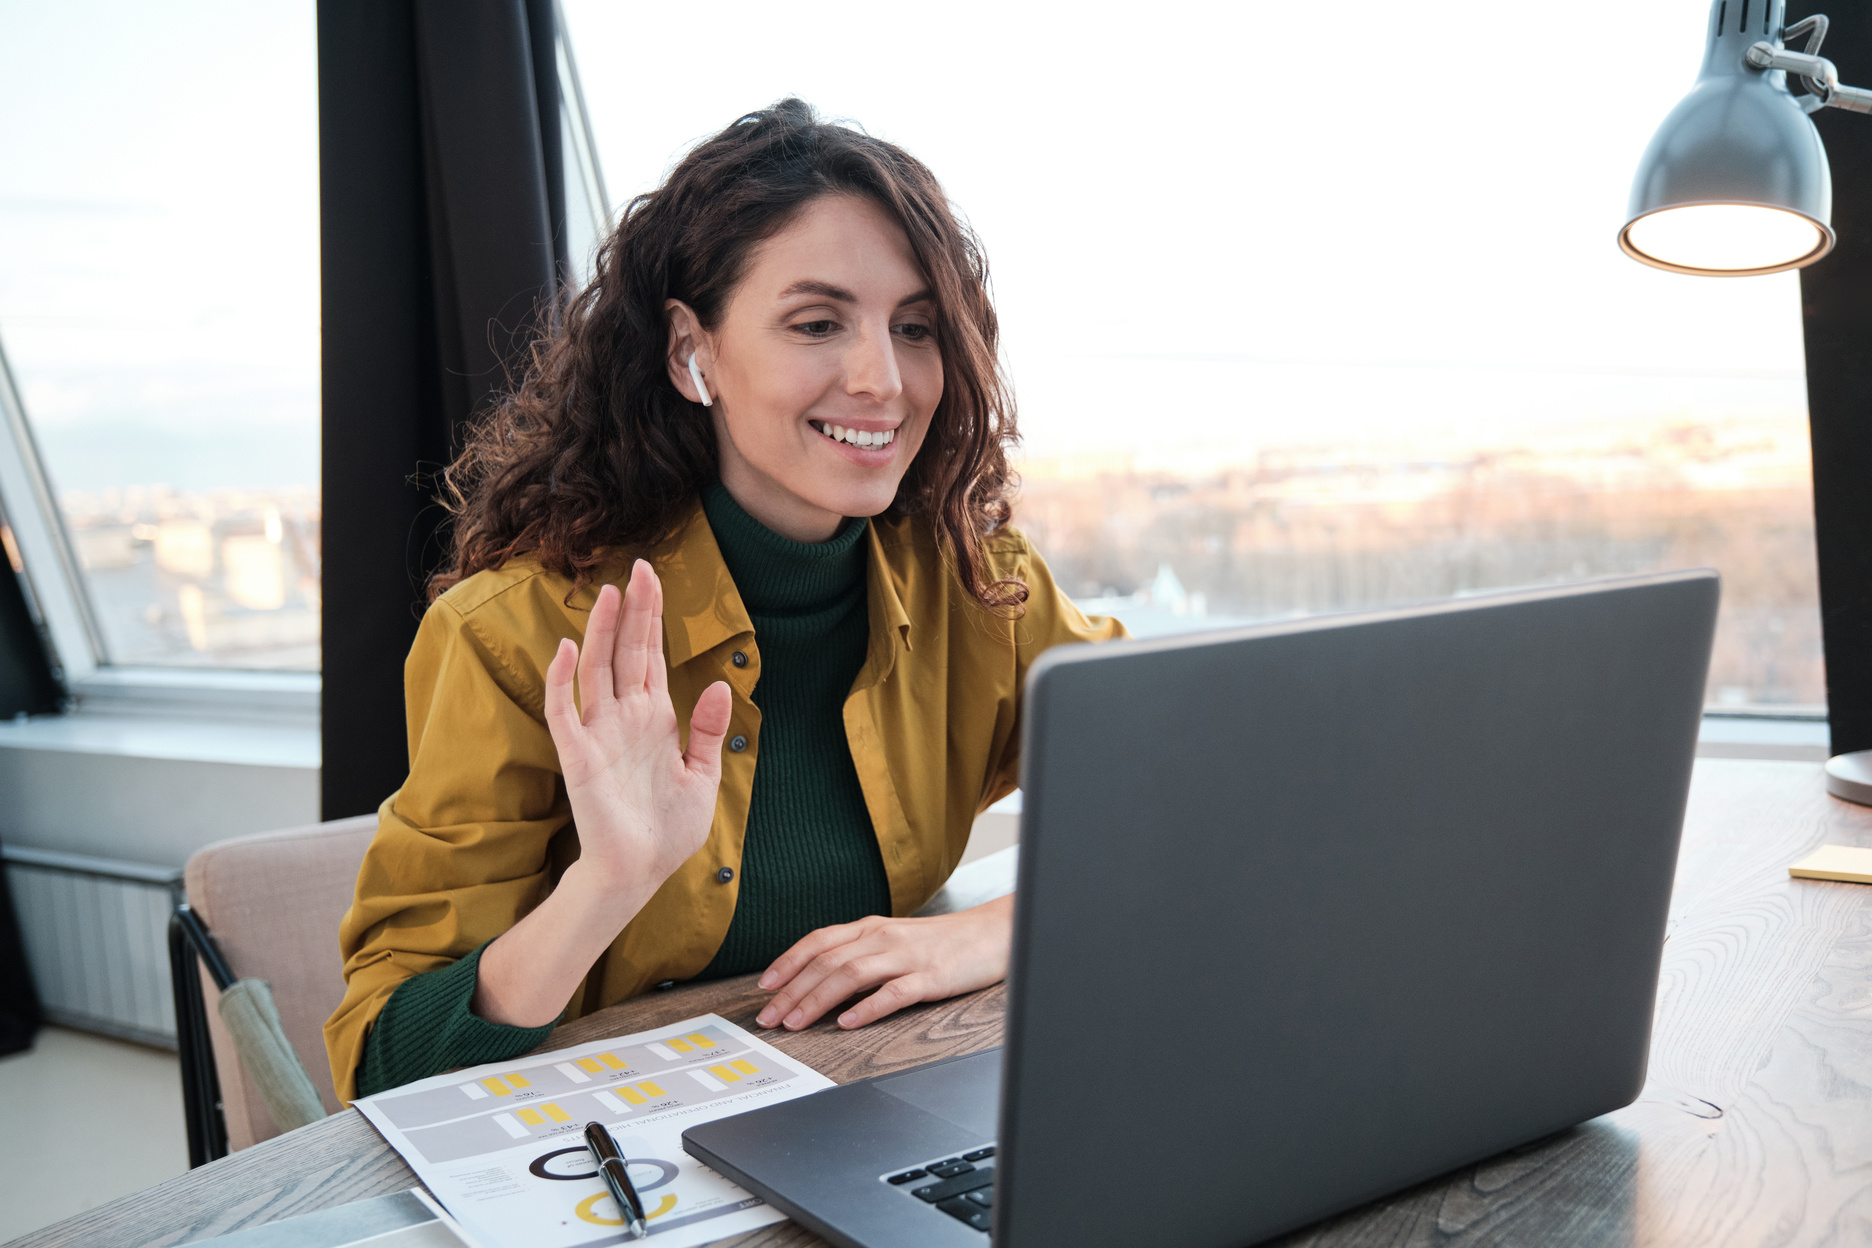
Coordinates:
x,y
652,1088
724,1074
590,1067
530,1116
701,1041
681,1046
611,1061
519,1081
553,1112
746,1068
632,1095
497,1086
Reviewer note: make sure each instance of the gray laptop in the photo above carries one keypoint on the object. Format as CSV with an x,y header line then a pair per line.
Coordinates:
x,y
1307,913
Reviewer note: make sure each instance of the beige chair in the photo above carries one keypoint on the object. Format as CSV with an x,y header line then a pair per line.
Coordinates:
x,y
273,902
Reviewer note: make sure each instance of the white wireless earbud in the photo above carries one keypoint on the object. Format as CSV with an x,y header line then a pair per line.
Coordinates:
x,y
695,375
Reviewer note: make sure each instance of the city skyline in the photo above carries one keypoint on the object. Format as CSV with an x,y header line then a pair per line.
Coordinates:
x,y
230,577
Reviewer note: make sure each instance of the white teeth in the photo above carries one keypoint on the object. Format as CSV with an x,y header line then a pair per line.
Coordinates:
x,y
857,437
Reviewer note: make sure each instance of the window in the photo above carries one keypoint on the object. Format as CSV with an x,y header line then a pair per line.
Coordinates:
x,y
159,296
1312,319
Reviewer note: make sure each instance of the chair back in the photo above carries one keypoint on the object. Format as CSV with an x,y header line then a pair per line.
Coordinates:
x,y
273,901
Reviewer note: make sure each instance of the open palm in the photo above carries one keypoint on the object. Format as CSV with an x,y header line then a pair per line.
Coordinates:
x,y
642,805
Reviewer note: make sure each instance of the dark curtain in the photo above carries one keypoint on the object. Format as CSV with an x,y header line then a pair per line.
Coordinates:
x,y
28,682
441,198
20,1013
1837,314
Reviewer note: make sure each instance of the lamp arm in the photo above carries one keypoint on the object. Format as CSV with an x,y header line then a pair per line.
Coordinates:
x,y
1815,28
1822,78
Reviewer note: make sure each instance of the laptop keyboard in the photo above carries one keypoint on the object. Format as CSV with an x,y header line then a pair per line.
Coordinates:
x,y
961,1186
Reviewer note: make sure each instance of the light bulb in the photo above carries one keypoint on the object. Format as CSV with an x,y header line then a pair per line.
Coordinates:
x,y
1735,239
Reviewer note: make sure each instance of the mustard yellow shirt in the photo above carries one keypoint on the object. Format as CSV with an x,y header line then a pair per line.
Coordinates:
x,y
481,830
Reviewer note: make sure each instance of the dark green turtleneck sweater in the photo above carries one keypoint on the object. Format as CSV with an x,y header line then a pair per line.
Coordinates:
x,y
811,858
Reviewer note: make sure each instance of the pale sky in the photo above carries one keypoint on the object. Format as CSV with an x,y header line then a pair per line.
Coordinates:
x,y
1205,231
1199,215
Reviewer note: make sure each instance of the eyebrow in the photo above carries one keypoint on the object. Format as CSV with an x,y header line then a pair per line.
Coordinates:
x,y
826,290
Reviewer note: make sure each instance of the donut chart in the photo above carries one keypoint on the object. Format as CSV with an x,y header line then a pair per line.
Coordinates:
x,y
587,1209
574,1165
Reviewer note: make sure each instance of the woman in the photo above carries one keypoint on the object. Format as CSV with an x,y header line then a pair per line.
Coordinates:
x,y
775,417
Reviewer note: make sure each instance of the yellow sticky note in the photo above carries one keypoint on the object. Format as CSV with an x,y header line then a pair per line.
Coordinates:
x,y
1850,863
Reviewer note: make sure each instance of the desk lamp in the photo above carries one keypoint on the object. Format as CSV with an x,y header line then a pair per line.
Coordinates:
x,y
1735,182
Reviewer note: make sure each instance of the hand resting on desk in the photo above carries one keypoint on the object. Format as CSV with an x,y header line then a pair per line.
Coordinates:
x,y
906,960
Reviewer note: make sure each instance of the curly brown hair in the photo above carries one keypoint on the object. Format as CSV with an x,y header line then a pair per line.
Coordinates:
x,y
594,448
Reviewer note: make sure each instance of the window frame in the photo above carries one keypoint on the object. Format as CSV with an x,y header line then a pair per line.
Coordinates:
x,y
60,600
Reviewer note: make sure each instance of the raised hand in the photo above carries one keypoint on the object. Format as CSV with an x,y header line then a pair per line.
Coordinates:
x,y
642,805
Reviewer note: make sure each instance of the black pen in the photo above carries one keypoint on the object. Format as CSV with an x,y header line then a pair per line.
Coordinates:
x,y
604,1151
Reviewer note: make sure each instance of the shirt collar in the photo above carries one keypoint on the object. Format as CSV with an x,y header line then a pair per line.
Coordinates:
x,y
702,608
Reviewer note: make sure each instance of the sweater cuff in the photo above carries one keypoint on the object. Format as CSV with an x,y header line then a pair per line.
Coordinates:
x,y
427,1027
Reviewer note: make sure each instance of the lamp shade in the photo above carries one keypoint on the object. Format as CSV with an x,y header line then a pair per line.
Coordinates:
x,y
1735,182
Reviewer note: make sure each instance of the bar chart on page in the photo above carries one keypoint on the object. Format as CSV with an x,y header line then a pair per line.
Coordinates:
x,y
555,1076
498,1125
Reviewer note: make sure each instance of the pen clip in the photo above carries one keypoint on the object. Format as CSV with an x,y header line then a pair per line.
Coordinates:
x,y
603,1147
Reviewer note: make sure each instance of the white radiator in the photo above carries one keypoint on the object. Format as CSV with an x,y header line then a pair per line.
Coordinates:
x,y
96,934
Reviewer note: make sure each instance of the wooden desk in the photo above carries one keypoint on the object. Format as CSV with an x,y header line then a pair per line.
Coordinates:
x,y
1755,1127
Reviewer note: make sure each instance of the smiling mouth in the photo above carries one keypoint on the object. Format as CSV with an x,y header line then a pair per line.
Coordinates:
x,y
855,437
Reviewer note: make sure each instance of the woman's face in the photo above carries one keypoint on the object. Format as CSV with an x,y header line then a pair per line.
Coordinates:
x,y
824,369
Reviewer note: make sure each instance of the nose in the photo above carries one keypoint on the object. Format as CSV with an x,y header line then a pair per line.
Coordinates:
x,y
871,365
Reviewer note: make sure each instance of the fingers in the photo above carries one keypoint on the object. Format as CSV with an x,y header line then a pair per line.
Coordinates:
x,y
562,717
804,950
594,664
802,969
708,724
630,660
893,996
659,671
850,972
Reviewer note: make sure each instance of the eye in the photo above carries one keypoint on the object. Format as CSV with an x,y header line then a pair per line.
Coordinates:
x,y
915,333
817,329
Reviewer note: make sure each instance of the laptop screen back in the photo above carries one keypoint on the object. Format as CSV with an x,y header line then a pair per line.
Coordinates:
x,y
1311,912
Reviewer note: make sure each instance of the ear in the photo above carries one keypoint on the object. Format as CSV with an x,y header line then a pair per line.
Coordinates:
x,y
686,338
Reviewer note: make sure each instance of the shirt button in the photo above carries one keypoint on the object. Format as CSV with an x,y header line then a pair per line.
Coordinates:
x,y
725,874
739,658
737,743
